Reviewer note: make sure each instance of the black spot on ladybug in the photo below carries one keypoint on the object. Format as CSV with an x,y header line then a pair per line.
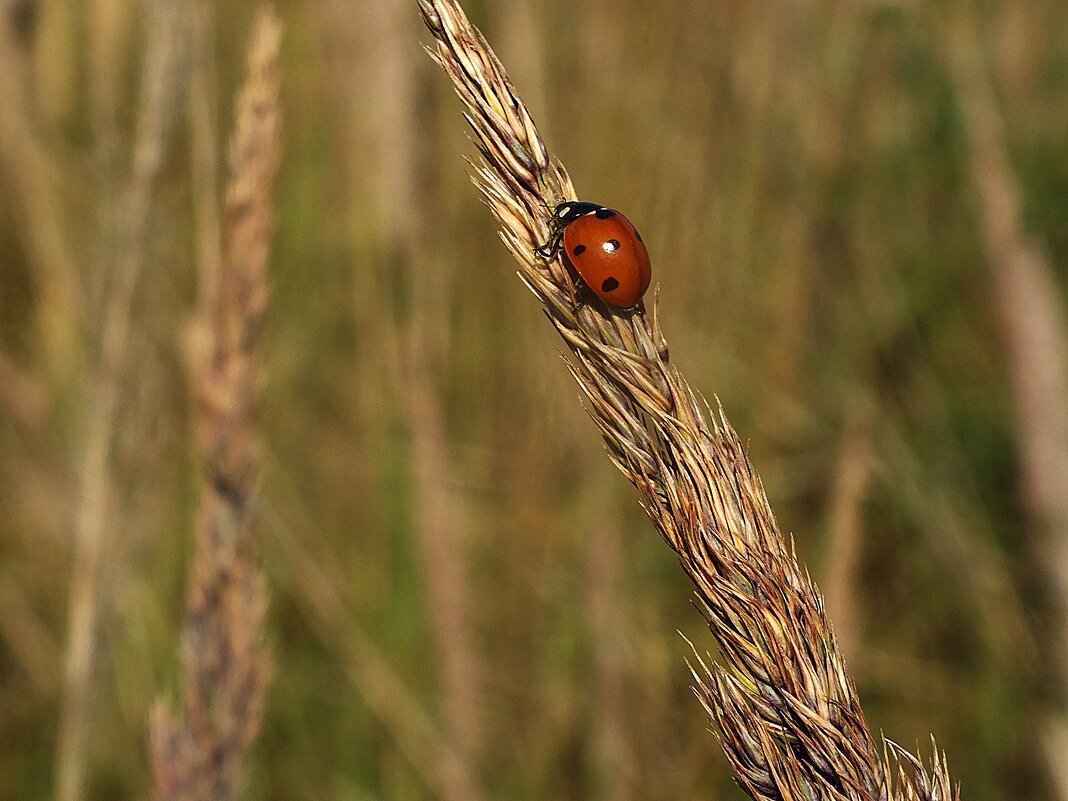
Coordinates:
x,y
610,245
604,214
609,284
579,250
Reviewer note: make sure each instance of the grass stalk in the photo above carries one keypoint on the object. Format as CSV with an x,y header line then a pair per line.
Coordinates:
x,y
849,492
203,144
1026,296
1029,301
415,345
22,398
785,707
609,626
417,735
444,572
200,752
35,178
91,525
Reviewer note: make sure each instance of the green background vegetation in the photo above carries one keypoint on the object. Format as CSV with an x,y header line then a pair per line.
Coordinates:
x,y
802,178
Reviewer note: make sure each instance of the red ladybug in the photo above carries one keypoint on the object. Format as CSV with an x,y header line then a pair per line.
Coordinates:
x,y
605,249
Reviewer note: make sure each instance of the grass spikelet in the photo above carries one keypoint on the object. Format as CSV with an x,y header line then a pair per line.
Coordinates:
x,y
785,707
200,753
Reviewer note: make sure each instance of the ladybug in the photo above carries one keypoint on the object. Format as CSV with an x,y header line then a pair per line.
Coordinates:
x,y
605,249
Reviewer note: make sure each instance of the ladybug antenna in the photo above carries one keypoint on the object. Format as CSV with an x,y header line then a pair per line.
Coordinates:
x,y
549,210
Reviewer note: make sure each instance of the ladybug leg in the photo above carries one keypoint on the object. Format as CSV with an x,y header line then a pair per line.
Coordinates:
x,y
550,248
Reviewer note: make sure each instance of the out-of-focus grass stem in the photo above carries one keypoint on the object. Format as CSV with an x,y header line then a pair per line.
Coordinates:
x,y
199,751
159,88
1029,301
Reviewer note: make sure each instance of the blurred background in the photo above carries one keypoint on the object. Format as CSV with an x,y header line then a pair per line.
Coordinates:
x,y
857,213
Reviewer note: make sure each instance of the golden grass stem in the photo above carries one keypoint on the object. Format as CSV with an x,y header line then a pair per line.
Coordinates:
x,y
417,736
414,342
611,650
849,491
91,529
203,136
444,571
785,706
35,182
1028,299
200,752
1026,293
383,151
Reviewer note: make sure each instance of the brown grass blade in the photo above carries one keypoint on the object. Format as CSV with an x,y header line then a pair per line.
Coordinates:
x,y
200,752
785,706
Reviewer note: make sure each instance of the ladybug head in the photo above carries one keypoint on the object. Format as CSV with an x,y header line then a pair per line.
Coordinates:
x,y
570,210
